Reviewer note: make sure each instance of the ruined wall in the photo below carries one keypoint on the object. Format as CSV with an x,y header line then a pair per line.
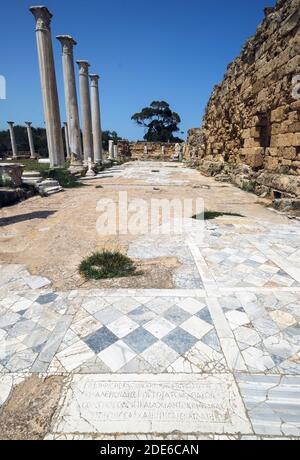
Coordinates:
x,y
155,150
251,128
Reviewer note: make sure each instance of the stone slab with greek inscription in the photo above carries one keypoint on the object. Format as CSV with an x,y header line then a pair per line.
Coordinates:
x,y
152,404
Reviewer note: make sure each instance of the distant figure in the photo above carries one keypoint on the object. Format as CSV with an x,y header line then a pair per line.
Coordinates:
x,y
145,150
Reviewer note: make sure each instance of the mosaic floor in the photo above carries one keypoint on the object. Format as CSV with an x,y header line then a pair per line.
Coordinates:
x,y
233,320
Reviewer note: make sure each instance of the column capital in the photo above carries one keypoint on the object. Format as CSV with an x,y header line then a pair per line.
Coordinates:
x,y
65,123
28,123
83,67
11,123
42,16
94,79
67,43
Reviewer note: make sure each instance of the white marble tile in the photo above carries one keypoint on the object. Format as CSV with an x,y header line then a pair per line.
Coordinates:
x,y
191,305
196,327
75,355
117,355
160,356
86,326
6,384
237,318
257,359
159,327
123,326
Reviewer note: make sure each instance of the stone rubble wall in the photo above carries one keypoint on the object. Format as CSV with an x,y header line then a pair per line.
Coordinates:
x,y
136,150
251,128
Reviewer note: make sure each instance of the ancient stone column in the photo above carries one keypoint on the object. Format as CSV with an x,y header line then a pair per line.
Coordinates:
x,y
13,139
30,140
72,111
49,87
116,152
96,118
67,140
86,110
111,150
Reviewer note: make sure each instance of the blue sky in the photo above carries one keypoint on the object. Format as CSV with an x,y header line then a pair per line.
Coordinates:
x,y
174,50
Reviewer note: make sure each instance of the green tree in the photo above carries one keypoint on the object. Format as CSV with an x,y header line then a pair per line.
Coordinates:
x,y
159,121
109,136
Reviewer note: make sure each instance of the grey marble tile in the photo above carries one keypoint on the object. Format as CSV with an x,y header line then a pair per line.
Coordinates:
x,y
180,340
139,340
100,340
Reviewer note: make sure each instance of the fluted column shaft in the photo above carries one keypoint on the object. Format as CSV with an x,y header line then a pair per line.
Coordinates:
x,y
96,118
49,87
85,110
71,99
67,141
13,139
30,139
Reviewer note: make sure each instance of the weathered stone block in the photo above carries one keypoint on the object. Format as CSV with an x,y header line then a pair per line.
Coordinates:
x,y
286,140
249,143
271,163
11,175
278,115
254,157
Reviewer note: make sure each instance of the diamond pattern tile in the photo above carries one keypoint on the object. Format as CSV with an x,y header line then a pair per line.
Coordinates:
x,y
142,315
100,339
139,340
159,327
180,340
176,315
122,326
117,355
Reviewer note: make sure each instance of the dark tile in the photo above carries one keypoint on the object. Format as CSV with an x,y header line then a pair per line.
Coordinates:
x,y
205,316
212,340
277,359
46,298
139,340
176,315
22,312
38,348
141,315
180,340
100,339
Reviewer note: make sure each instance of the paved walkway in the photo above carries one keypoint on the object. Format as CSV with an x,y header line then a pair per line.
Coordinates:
x,y
216,356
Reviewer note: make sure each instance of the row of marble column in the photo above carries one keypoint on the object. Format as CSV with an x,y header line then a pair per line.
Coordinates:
x,y
13,139
89,98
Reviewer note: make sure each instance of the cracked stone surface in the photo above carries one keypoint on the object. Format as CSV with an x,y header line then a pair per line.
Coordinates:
x,y
211,351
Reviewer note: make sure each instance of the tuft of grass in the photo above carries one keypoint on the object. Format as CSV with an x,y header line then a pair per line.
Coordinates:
x,y
106,265
249,187
209,215
64,177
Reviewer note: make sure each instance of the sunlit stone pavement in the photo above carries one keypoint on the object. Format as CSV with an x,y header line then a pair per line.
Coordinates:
x,y
216,357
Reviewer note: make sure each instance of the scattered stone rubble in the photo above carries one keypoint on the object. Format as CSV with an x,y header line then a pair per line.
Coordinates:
x,y
44,187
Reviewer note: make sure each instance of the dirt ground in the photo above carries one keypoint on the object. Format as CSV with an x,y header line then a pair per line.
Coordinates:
x,y
29,410
52,235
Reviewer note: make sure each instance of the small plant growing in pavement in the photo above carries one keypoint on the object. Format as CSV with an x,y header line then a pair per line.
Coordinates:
x,y
209,215
107,265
